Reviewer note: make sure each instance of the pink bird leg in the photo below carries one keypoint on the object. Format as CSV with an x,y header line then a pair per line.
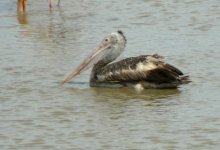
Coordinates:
x,y
58,4
51,4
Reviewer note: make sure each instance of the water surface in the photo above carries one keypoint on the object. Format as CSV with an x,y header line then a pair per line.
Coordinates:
x,y
38,49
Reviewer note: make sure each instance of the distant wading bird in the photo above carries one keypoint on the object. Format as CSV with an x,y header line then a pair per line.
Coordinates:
x,y
145,71
22,5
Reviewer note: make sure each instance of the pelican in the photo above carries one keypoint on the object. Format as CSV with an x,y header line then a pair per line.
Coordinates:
x,y
144,71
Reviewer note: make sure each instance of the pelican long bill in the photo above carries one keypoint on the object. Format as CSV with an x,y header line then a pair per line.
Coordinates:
x,y
89,61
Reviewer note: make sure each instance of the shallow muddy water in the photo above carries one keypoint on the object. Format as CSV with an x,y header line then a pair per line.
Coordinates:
x,y
39,48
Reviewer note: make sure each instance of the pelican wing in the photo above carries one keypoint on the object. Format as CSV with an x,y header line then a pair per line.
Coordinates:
x,y
149,68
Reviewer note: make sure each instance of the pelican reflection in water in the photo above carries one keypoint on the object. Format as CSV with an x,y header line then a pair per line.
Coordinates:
x,y
145,71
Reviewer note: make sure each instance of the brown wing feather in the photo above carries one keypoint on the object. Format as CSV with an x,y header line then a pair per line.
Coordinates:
x,y
173,69
149,68
162,75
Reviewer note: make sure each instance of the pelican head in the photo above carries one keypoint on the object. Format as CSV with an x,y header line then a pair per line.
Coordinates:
x,y
107,51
